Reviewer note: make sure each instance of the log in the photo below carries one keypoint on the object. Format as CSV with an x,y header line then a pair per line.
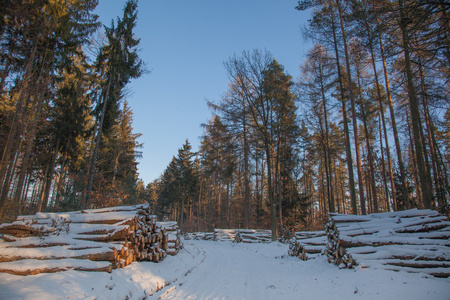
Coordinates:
x,y
33,267
9,238
407,239
136,234
58,253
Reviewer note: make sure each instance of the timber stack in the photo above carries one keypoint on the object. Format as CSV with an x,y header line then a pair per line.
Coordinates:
x,y
253,236
233,235
207,236
307,244
172,230
88,240
412,240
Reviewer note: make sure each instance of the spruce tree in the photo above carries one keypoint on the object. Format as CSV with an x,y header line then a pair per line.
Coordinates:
x,y
117,63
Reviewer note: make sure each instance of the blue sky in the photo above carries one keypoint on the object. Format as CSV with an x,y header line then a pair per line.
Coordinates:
x,y
184,44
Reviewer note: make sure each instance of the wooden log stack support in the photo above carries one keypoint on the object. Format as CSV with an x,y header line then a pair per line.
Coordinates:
x,y
308,244
89,240
411,240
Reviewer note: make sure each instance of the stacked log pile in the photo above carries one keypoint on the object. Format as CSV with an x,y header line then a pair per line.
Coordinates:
x,y
207,236
253,236
307,244
412,240
225,234
89,240
172,230
234,235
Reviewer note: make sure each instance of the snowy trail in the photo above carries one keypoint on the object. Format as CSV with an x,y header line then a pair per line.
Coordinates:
x,y
256,271
224,270
241,273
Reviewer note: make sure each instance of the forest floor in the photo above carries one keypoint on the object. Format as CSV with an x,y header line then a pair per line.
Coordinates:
x,y
225,270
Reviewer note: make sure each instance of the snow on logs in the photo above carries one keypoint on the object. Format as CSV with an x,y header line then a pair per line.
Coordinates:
x,y
89,240
253,236
234,235
412,240
307,244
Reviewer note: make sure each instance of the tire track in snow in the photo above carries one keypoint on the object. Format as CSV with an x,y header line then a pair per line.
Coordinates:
x,y
169,286
229,271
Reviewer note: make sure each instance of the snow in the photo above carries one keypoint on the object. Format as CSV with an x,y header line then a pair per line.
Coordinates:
x,y
60,264
226,270
119,213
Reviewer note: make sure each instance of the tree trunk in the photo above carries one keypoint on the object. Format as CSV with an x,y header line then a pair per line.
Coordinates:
x,y
427,192
440,187
401,165
386,140
383,166
353,105
368,145
44,188
246,170
10,149
348,150
273,204
52,172
412,203
327,148
29,148
97,144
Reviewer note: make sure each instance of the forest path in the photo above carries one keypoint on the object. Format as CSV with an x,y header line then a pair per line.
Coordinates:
x,y
240,271
225,270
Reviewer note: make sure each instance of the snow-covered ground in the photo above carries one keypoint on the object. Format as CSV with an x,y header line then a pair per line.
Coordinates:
x,y
224,270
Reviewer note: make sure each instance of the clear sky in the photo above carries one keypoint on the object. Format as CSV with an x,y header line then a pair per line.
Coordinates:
x,y
184,44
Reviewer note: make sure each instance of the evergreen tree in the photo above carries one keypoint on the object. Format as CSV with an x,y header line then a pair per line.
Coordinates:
x,y
117,63
38,40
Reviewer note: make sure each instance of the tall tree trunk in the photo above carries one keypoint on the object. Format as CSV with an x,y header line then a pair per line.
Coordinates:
x,y
383,166
62,179
348,150
97,145
386,140
52,172
44,188
401,164
353,105
440,187
199,198
246,170
427,192
277,172
28,149
368,145
414,171
13,139
322,205
273,204
327,148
